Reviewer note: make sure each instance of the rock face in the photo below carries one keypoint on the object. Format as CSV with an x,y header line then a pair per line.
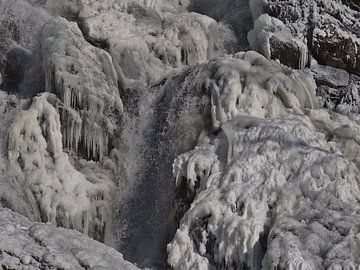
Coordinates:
x,y
28,245
330,31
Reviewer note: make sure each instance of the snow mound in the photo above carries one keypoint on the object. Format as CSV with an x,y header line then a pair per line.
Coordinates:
x,y
57,192
84,78
269,191
31,246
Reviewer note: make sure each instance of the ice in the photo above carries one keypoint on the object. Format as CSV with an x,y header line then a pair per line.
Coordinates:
x,y
85,80
266,29
155,134
146,45
58,192
271,190
251,85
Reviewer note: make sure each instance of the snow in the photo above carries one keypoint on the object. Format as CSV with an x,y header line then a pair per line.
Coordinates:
x,y
29,245
57,192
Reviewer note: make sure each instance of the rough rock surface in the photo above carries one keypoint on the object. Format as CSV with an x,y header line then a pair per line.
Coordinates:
x,y
330,31
26,245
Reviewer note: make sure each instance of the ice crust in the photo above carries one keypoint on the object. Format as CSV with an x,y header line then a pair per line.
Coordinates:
x,y
27,245
275,190
57,192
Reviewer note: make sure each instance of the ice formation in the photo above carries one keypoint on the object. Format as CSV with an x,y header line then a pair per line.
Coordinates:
x,y
28,245
12,193
279,175
57,192
272,38
148,42
85,80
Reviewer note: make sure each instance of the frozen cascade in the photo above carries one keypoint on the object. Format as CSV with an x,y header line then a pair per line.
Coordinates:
x,y
85,80
59,193
12,193
147,45
228,162
158,125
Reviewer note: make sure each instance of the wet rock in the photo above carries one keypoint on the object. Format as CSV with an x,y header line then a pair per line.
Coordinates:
x,y
333,77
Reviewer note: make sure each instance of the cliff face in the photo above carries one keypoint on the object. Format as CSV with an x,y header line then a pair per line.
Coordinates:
x,y
185,134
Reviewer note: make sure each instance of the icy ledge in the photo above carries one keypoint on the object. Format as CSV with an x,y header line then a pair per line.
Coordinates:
x,y
58,193
31,246
278,186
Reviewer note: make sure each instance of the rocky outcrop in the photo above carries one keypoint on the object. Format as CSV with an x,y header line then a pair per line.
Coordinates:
x,y
28,245
329,30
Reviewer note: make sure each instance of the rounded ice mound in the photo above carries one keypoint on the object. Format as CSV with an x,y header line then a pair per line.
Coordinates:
x,y
249,84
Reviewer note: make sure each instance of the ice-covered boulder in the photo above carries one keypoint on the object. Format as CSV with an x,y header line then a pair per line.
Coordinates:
x,y
28,245
278,186
57,192
85,80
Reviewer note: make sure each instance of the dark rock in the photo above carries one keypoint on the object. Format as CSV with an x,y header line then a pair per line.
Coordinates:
x,y
333,77
331,31
287,51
